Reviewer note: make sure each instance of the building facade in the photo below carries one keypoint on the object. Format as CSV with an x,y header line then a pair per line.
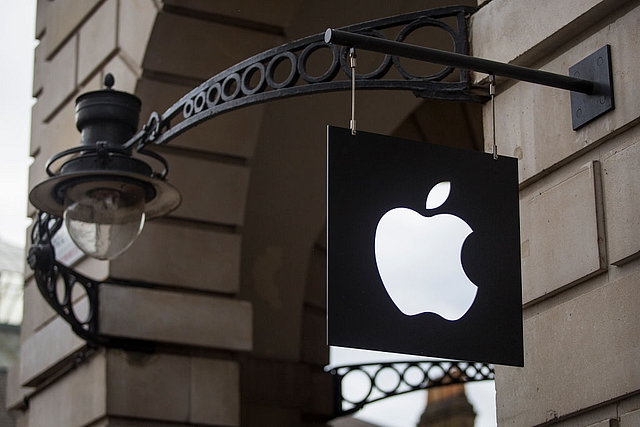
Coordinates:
x,y
231,285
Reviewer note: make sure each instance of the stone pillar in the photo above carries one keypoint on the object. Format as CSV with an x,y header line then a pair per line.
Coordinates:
x,y
579,207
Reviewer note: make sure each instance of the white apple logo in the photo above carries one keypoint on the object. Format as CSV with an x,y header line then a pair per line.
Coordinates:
x,y
419,260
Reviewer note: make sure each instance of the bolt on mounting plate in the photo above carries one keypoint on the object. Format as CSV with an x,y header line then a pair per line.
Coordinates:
x,y
597,68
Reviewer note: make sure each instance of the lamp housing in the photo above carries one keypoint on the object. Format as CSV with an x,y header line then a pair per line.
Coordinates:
x,y
105,194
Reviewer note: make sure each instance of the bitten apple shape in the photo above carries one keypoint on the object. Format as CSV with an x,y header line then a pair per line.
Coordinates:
x,y
419,259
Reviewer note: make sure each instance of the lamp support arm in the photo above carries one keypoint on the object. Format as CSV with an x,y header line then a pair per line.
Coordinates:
x,y
255,80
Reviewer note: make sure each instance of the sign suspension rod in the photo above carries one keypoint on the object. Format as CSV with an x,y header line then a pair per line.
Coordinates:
x,y
457,60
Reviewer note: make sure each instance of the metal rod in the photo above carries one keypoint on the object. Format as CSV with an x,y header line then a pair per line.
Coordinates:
x,y
457,60
352,56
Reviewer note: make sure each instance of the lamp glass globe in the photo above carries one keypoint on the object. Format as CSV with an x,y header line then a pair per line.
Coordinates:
x,y
104,219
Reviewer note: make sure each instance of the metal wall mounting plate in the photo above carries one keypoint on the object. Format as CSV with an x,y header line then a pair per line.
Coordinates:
x,y
597,68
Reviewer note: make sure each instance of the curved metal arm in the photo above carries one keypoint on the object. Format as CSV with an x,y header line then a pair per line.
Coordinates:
x,y
247,83
56,282
253,81
407,376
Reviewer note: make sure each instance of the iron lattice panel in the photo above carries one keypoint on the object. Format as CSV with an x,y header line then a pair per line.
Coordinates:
x,y
382,380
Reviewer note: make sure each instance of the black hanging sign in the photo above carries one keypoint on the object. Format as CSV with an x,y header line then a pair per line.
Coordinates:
x,y
423,249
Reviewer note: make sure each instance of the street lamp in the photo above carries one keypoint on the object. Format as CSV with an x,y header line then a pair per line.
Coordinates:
x,y
105,194
105,173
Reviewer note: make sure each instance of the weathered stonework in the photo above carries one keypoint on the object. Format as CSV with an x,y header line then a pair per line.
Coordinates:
x,y
230,286
578,213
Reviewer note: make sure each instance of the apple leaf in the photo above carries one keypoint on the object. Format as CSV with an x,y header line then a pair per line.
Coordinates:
x,y
438,194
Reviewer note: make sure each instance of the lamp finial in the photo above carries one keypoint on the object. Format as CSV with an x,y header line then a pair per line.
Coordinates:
x,y
109,80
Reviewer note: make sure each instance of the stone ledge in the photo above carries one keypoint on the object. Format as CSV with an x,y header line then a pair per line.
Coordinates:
x,y
16,395
175,317
78,399
173,388
174,255
47,350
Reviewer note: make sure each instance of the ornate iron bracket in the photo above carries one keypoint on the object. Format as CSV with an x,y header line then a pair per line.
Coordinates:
x,y
590,82
63,289
253,81
57,283
405,377
247,83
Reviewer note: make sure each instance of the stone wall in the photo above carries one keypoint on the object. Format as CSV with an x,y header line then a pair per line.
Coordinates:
x,y
230,286
579,214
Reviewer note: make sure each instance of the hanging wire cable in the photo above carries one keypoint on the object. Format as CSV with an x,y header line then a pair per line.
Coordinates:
x,y
352,60
492,93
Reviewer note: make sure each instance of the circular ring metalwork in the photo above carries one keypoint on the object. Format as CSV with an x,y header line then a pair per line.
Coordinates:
x,y
221,97
433,373
153,125
199,102
385,388
56,281
232,81
402,35
213,95
77,308
410,369
48,273
273,64
55,289
382,69
332,70
187,110
369,390
248,75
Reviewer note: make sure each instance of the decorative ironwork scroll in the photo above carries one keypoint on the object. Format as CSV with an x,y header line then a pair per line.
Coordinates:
x,y
57,282
254,80
72,295
376,381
